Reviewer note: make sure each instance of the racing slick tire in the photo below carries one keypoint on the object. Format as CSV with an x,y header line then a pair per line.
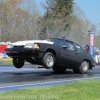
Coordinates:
x,y
83,68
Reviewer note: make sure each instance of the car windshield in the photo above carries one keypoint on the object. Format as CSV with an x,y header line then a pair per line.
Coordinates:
x,y
56,41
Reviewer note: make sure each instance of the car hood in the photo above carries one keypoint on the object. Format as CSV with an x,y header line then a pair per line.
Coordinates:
x,y
31,41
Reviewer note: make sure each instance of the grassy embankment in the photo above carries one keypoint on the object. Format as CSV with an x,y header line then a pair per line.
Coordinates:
x,y
79,90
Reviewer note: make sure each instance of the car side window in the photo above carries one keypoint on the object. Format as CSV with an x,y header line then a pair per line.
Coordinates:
x,y
79,49
69,45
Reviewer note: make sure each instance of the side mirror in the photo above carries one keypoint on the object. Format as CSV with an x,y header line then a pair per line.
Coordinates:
x,y
64,46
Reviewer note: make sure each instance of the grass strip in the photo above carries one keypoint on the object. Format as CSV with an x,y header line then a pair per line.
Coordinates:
x,y
6,61
79,90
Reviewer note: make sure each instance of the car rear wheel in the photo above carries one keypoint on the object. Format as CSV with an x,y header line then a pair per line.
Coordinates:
x,y
59,69
48,60
83,68
18,62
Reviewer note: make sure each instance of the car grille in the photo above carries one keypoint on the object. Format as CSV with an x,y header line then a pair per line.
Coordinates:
x,y
19,46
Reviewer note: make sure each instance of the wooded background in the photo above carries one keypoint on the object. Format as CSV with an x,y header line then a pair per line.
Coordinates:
x,y
23,20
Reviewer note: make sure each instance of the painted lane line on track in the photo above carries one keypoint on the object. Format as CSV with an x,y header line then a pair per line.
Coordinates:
x,y
6,88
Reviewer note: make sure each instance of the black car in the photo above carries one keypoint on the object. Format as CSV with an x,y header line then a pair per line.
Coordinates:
x,y
58,54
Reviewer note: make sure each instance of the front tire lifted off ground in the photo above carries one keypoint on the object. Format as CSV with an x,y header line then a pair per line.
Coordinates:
x,y
18,62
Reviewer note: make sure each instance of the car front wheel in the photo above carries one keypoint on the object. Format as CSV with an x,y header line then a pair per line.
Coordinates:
x,y
18,62
48,60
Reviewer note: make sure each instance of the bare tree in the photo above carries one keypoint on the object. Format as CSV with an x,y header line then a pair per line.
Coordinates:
x,y
19,20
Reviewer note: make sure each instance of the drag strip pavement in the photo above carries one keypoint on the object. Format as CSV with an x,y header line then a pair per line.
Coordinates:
x,y
12,78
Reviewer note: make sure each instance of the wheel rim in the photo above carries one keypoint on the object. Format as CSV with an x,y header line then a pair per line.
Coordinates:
x,y
49,60
85,66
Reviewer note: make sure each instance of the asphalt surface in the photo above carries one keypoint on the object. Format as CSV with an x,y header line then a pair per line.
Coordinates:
x,y
32,76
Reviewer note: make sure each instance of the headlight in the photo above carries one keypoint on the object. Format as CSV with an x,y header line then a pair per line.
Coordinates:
x,y
31,45
10,46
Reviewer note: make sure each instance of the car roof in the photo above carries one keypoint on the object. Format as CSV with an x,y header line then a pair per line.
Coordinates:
x,y
66,40
62,39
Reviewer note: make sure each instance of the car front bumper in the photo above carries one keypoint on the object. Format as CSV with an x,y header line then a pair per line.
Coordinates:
x,y
24,52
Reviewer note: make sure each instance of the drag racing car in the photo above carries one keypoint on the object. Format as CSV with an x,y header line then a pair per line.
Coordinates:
x,y
55,53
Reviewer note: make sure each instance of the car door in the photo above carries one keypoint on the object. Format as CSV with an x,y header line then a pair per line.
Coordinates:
x,y
68,54
81,54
